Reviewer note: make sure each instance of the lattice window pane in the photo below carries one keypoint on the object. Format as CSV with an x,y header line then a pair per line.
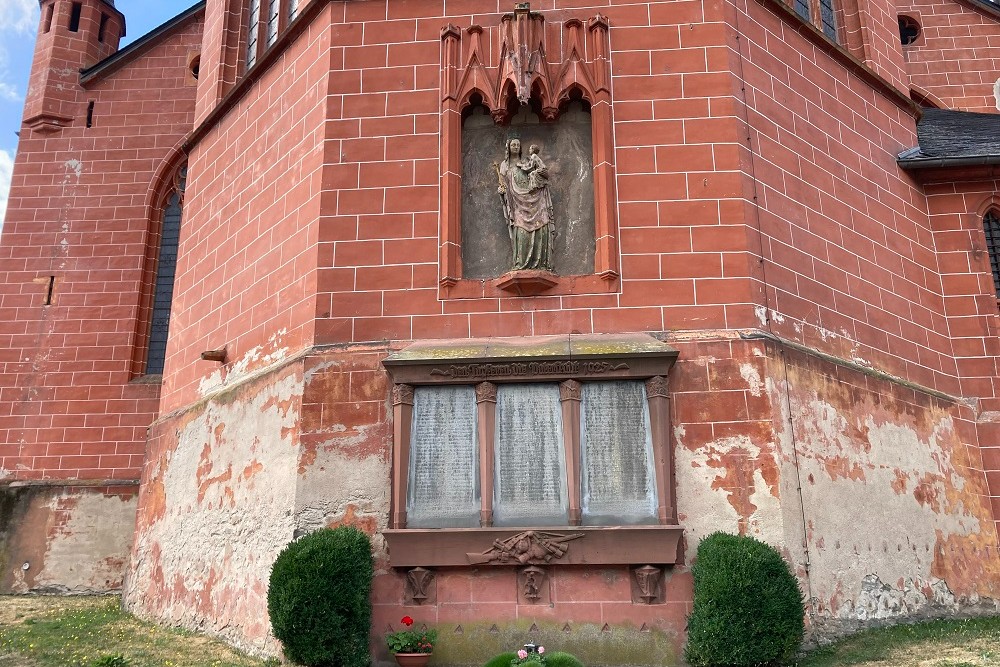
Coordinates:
x,y
991,225
827,16
802,9
164,291
252,32
272,22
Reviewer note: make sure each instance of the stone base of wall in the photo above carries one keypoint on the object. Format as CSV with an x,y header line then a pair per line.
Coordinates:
x,y
65,539
871,487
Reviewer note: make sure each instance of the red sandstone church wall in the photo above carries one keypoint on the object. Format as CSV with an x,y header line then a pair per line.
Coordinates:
x,y
78,207
848,252
246,273
680,207
852,260
78,211
954,60
220,485
753,419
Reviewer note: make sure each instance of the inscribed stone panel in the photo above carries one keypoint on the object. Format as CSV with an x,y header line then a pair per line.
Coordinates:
x,y
444,459
530,469
617,478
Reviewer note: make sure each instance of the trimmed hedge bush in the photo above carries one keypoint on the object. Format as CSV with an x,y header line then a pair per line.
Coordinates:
x,y
502,660
319,598
562,659
747,605
553,659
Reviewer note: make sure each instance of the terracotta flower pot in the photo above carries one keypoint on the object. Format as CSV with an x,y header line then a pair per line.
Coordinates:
x,y
412,659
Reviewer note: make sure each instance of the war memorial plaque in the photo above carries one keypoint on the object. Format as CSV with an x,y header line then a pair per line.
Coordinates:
x,y
444,459
530,459
617,480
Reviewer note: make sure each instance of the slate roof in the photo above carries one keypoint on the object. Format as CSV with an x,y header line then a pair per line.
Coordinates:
x,y
954,138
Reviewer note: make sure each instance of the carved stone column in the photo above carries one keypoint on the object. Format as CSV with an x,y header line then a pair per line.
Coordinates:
x,y
402,421
570,393
451,159
659,423
486,404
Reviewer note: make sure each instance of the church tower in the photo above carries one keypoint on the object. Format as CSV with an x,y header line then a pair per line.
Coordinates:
x,y
73,35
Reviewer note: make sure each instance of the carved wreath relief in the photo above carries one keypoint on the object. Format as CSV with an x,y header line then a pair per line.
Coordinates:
x,y
530,547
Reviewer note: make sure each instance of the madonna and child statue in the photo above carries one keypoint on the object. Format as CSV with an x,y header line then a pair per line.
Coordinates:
x,y
527,207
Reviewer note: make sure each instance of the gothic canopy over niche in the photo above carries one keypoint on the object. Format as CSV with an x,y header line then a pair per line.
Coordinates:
x,y
547,85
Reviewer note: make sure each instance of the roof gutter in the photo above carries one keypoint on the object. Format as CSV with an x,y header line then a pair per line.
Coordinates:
x,y
948,162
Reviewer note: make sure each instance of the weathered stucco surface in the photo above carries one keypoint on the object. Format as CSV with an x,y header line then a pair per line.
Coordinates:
x,y
217,505
65,539
896,505
893,518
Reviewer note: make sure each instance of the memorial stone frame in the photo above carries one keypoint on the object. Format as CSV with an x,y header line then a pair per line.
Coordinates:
x,y
557,75
449,418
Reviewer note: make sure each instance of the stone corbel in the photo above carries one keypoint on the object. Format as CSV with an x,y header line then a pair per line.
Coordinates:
x,y
533,585
420,586
647,585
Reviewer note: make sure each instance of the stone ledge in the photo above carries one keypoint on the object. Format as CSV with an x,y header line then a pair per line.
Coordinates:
x,y
591,545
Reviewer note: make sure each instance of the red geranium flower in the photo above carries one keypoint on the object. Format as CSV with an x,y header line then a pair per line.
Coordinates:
x,y
407,621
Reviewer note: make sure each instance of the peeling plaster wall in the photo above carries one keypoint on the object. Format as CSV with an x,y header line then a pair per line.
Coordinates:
x,y
898,514
217,505
73,539
893,520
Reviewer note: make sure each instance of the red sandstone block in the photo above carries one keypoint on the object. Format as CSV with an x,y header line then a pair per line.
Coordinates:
x,y
384,174
381,328
511,323
657,293
411,302
644,39
715,406
627,320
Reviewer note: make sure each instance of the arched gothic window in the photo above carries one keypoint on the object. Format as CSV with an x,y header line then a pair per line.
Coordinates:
x,y
166,268
991,225
267,20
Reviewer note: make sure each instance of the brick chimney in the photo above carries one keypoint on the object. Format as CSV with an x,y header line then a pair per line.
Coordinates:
x,y
72,35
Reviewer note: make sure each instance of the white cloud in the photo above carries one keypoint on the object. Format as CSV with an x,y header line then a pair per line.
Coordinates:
x,y
8,92
6,167
19,16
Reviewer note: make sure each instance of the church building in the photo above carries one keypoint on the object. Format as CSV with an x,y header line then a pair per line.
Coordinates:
x,y
536,295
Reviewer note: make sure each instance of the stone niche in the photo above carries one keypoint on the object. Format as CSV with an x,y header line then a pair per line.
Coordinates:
x,y
547,85
567,149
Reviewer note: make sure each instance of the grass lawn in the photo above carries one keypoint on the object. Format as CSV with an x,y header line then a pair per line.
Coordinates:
x,y
95,632
958,643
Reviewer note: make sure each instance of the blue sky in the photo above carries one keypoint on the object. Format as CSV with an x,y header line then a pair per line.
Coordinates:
x,y
18,26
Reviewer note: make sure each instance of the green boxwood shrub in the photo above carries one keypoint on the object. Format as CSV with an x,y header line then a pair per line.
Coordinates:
x,y
552,659
502,660
319,598
747,605
562,659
